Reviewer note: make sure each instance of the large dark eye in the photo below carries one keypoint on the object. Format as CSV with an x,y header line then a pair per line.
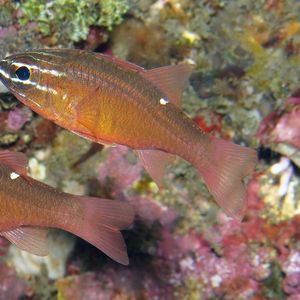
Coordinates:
x,y
23,73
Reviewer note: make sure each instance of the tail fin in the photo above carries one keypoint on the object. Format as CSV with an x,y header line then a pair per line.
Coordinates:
x,y
102,221
223,173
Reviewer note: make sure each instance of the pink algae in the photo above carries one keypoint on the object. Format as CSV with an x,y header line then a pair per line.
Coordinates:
x,y
17,118
11,287
117,171
282,126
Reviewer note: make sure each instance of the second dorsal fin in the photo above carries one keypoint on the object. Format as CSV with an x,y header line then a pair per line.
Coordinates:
x,y
16,161
171,80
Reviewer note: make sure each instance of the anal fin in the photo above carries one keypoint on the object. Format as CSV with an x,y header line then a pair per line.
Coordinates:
x,y
31,239
155,162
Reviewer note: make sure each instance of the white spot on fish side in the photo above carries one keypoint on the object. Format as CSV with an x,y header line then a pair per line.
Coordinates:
x,y
163,101
14,175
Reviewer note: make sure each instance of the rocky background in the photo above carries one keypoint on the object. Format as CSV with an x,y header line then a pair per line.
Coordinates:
x,y
245,88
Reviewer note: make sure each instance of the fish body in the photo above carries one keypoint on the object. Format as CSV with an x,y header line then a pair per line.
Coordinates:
x,y
94,96
110,101
29,207
47,211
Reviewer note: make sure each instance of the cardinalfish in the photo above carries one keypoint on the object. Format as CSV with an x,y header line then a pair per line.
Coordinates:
x,y
28,208
110,101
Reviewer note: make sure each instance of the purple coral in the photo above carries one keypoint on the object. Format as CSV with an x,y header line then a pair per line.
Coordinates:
x,y
282,126
17,118
5,31
11,287
150,211
291,284
118,170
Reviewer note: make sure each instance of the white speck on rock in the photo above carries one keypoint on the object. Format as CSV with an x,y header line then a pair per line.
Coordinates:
x,y
187,264
60,246
36,169
292,264
216,281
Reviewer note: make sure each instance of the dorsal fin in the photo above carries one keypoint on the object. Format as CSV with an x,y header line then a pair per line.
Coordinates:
x,y
16,161
120,62
171,80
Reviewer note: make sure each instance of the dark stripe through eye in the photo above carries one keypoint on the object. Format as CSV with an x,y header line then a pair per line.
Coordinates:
x,y
23,73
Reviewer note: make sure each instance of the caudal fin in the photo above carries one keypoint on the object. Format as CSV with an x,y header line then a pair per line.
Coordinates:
x,y
223,172
102,221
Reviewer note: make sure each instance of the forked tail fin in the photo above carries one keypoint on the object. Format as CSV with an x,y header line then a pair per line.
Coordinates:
x,y
102,221
223,172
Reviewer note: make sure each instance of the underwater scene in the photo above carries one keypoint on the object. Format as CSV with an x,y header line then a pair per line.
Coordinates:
x,y
149,149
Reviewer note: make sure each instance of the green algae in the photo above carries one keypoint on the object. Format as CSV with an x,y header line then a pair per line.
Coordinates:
x,y
8,101
272,286
72,18
7,139
5,16
190,290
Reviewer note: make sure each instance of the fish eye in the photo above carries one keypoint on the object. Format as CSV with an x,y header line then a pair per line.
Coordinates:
x,y
23,73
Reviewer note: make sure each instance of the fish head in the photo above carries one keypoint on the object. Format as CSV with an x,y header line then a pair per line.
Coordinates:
x,y
18,73
34,80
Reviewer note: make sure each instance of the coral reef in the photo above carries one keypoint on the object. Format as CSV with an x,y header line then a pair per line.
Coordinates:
x,y
71,19
244,88
279,130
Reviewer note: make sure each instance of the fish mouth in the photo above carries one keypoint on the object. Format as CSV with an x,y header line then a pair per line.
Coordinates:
x,y
3,64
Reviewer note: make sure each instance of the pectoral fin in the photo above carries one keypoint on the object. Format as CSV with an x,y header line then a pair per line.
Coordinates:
x,y
155,162
31,239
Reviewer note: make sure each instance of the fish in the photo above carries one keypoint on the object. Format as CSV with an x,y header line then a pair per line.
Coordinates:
x,y
28,208
110,101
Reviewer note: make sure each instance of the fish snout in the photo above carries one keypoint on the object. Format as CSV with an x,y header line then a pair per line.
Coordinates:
x,y
3,64
4,74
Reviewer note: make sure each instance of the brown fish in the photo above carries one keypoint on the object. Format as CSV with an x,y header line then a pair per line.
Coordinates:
x,y
110,101
29,207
